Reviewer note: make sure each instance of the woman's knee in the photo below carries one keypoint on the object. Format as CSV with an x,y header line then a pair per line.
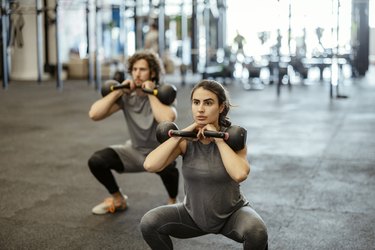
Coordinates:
x,y
148,222
256,235
249,228
158,217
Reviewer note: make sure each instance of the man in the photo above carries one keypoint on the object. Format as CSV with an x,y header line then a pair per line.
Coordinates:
x,y
239,41
152,38
142,113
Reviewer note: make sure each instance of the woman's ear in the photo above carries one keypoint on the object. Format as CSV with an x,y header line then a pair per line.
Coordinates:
x,y
222,106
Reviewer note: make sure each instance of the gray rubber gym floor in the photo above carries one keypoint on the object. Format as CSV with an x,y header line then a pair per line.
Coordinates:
x,y
312,177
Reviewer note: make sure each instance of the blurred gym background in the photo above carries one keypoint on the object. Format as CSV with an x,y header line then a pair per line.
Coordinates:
x,y
311,148
252,42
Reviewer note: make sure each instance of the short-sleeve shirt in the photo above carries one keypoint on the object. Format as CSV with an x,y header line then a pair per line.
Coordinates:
x,y
140,121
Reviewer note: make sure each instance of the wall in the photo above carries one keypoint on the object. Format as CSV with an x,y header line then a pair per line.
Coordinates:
x,y
372,45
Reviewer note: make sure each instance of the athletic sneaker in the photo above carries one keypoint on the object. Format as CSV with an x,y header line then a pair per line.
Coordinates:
x,y
108,206
172,201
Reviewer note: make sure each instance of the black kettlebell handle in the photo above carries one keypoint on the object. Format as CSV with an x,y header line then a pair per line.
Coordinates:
x,y
190,134
165,93
234,136
193,134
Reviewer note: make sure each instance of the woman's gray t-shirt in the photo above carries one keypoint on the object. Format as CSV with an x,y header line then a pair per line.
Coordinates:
x,y
211,194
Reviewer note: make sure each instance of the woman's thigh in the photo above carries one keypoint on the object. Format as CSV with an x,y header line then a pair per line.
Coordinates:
x,y
171,220
246,226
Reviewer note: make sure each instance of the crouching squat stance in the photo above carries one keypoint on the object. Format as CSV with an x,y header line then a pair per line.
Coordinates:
x,y
142,113
212,171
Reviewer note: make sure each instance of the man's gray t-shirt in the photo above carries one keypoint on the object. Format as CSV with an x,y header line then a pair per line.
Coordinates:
x,y
211,194
141,122
142,132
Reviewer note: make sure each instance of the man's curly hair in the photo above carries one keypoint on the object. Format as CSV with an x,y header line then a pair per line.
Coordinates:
x,y
153,60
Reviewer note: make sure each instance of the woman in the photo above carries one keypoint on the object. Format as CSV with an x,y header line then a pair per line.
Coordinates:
x,y
212,172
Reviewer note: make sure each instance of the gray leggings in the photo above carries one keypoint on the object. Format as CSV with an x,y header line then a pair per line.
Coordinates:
x,y
244,226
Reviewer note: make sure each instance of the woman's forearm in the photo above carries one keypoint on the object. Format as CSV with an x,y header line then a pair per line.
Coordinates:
x,y
161,156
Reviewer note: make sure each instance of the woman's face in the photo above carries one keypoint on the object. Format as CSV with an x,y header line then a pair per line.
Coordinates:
x,y
205,107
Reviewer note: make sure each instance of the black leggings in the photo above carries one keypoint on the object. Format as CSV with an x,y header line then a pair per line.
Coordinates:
x,y
103,161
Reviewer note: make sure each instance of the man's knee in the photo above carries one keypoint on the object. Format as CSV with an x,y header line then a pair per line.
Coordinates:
x,y
105,159
170,170
95,161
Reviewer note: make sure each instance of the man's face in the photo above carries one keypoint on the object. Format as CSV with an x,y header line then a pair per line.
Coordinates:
x,y
141,72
